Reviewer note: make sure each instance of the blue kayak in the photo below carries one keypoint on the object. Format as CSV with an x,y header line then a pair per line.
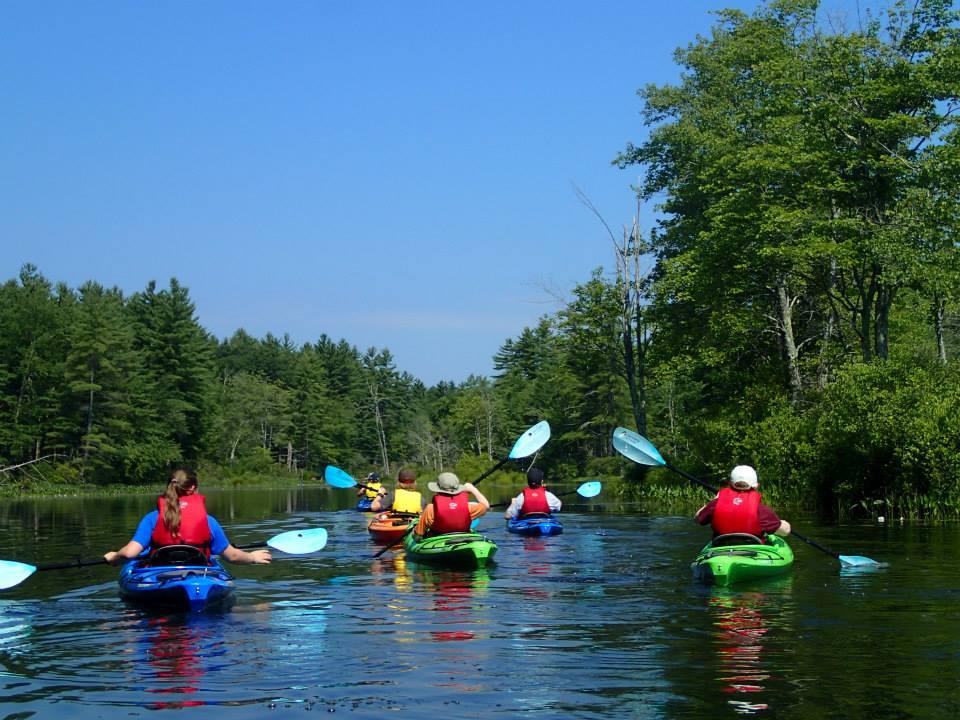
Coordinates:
x,y
365,504
535,525
177,578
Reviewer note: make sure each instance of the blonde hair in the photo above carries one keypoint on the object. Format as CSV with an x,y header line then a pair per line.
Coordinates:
x,y
181,483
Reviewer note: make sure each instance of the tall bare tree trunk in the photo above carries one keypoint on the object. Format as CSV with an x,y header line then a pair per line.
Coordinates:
x,y
785,320
939,312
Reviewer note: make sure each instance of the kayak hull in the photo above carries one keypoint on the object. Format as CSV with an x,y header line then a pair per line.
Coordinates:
x,y
454,550
365,504
387,528
539,525
727,564
179,588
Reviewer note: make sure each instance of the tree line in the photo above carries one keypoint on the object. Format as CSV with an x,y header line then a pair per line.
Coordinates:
x,y
793,306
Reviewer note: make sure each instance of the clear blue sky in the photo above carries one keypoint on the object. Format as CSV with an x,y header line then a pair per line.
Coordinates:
x,y
398,174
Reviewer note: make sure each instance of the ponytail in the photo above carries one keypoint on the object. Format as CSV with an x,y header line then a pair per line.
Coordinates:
x,y
180,484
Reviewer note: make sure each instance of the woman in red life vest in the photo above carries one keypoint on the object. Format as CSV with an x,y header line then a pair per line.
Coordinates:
x,y
450,510
181,519
737,508
535,498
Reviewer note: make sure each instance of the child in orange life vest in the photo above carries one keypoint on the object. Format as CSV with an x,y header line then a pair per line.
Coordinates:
x,y
737,509
181,519
535,499
405,499
450,510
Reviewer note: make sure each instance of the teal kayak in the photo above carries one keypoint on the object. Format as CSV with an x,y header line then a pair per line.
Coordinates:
x,y
455,550
739,557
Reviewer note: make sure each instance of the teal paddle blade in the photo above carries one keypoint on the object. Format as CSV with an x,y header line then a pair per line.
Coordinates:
x,y
299,542
531,441
474,524
857,561
589,489
338,478
636,447
13,573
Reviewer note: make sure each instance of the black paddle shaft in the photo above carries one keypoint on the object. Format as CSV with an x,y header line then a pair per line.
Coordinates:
x,y
72,564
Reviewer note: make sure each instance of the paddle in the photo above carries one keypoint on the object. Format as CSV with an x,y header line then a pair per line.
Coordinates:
x,y
292,542
589,489
533,438
641,451
340,479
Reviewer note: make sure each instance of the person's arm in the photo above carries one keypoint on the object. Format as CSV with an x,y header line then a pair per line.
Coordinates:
x,y
254,557
514,510
128,552
382,501
140,540
220,545
481,500
705,514
770,523
553,502
425,521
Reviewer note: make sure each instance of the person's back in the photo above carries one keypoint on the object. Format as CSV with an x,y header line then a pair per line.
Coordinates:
x,y
738,508
450,510
535,498
405,499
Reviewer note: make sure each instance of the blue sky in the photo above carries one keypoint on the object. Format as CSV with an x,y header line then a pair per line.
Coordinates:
x,y
396,174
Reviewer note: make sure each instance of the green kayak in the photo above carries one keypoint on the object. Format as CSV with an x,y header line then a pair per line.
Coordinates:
x,y
739,557
456,550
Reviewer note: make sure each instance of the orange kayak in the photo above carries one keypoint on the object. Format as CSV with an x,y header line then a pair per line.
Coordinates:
x,y
387,527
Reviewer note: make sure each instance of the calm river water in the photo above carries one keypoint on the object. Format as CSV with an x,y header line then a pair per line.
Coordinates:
x,y
603,621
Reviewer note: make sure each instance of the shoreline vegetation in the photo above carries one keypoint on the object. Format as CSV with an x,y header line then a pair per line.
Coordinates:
x,y
794,305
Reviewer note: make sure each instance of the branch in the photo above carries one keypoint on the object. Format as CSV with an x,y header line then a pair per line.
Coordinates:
x,y
29,462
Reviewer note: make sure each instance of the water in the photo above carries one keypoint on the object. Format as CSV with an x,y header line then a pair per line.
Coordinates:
x,y
600,622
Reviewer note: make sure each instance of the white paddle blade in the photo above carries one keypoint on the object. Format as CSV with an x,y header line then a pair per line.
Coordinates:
x,y
589,489
299,542
531,440
13,573
636,447
338,478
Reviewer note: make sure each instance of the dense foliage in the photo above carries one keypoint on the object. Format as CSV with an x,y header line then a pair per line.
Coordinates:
x,y
799,312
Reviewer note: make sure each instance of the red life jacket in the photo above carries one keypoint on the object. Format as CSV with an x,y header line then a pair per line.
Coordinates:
x,y
451,513
194,529
534,501
736,512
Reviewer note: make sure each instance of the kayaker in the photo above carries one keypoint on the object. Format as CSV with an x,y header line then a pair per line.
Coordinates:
x,y
372,488
450,510
181,519
405,499
535,498
737,508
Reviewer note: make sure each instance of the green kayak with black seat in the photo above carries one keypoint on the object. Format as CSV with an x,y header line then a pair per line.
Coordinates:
x,y
454,550
740,557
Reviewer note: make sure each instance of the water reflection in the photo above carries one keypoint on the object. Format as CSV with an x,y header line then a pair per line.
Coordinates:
x,y
174,659
742,621
455,596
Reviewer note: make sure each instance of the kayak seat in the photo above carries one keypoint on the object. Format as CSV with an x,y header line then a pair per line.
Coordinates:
x,y
178,555
534,516
736,539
